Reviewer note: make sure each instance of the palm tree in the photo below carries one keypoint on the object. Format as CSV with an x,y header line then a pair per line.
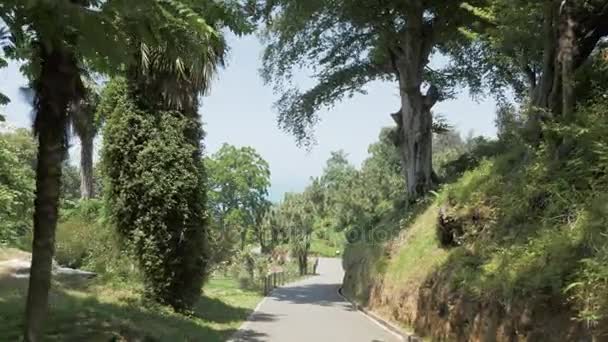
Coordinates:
x,y
54,50
56,87
85,125
54,73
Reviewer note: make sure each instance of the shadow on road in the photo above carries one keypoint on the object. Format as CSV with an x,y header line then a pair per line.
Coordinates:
x,y
249,335
316,294
263,317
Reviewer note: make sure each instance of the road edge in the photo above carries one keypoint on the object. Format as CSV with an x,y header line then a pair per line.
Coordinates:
x,y
405,336
242,329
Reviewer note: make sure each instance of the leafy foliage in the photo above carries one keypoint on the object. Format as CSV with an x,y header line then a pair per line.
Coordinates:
x,y
346,44
344,203
238,182
17,156
371,193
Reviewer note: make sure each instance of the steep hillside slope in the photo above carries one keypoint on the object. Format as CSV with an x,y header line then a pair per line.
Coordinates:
x,y
515,250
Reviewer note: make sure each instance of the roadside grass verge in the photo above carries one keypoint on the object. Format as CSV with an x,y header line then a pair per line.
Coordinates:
x,y
325,248
100,311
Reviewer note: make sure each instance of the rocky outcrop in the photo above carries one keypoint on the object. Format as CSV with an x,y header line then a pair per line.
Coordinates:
x,y
449,228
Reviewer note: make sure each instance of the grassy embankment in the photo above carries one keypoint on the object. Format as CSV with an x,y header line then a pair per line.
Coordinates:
x,y
329,243
529,257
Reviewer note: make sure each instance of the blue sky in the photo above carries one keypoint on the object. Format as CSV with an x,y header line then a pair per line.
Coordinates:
x,y
239,111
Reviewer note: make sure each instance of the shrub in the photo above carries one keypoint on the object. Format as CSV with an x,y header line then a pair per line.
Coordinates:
x,y
72,242
92,246
479,149
90,210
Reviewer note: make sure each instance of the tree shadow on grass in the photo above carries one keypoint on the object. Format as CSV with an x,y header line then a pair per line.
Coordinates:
x,y
214,310
75,315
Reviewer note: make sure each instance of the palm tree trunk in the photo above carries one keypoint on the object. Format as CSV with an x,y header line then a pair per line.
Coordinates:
x,y
87,190
55,88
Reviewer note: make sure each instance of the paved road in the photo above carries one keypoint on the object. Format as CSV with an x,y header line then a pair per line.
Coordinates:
x,y
311,311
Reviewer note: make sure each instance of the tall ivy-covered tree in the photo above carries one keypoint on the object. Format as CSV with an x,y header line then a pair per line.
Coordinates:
x,y
164,80
153,193
349,43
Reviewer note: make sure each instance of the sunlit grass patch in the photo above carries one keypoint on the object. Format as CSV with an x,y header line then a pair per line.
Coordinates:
x,y
105,312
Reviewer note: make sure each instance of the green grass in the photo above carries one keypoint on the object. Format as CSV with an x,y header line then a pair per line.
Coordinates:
x,y
326,243
325,248
117,312
422,252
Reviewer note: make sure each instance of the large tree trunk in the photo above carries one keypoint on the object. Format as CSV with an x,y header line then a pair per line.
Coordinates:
x,y
542,93
414,120
571,33
87,187
415,137
543,99
56,87
415,143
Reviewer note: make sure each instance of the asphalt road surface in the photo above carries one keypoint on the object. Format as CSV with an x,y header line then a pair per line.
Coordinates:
x,y
311,311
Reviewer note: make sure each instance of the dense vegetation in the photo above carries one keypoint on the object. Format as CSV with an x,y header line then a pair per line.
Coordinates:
x,y
481,240
477,239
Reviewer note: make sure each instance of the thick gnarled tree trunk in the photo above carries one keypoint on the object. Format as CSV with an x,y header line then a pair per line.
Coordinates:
x,y
415,143
414,120
55,88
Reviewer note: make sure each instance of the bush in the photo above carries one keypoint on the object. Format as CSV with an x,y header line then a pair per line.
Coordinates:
x,y
84,241
90,210
72,242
